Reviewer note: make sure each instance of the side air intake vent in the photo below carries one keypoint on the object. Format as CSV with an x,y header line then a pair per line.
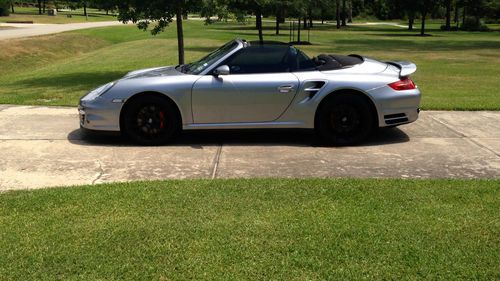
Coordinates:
x,y
313,87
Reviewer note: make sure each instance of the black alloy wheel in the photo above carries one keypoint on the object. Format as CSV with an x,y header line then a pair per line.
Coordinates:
x,y
345,119
150,120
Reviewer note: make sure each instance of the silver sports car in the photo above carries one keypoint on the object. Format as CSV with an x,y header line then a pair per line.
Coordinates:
x,y
252,85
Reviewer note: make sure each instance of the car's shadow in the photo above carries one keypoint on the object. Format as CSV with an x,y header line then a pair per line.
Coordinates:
x,y
268,137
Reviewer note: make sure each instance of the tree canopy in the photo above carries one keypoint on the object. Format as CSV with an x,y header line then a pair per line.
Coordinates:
x,y
156,15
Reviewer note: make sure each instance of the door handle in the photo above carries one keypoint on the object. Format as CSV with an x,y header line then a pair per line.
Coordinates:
x,y
285,88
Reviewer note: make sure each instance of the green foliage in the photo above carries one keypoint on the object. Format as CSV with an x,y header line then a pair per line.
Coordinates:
x,y
472,24
161,12
211,8
4,8
106,5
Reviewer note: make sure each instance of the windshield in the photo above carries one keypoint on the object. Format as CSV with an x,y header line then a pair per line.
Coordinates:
x,y
199,66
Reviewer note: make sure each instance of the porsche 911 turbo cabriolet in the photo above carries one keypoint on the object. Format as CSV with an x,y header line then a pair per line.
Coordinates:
x,y
257,85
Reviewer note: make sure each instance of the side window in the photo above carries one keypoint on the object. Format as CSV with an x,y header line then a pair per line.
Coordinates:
x,y
260,59
304,63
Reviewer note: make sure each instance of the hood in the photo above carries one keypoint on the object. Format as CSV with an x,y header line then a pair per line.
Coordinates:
x,y
153,72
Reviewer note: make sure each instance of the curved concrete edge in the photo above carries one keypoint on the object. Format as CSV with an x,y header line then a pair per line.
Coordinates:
x,y
29,30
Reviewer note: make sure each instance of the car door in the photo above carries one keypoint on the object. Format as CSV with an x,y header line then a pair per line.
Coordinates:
x,y
259,88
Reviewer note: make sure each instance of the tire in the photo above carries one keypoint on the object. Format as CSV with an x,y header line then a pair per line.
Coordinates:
x,y
150,120
345,119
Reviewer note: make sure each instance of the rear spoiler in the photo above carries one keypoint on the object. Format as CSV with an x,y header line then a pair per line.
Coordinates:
x,y
405,67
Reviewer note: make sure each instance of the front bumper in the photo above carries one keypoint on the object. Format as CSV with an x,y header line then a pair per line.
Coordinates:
x,y
99,115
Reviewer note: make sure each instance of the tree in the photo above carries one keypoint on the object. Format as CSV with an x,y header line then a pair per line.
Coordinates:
x,y
74,4
106,5
160,13
210,8
326,10
4,8
448,4
344,13
474,10
251,6
299,9
349,12
410,7
279,7
84,4
337,11
425,6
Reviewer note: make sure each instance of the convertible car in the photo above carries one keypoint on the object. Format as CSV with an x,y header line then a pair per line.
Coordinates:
x,y
257,85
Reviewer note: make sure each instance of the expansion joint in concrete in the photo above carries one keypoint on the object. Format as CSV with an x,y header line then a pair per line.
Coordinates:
x,y
462,135
101,172
215,163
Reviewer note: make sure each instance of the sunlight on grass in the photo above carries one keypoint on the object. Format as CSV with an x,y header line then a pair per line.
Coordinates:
x,y
253,229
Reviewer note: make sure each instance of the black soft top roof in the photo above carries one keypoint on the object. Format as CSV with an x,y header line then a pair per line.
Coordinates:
x,y
323,62
332,62
256,43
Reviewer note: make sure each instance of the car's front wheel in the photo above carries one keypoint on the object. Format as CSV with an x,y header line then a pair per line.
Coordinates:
x,y
345,119
150,120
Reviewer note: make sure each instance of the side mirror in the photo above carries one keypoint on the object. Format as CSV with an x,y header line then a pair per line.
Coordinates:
x,y
221,70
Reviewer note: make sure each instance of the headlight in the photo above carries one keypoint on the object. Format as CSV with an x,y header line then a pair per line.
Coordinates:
x,y
92,95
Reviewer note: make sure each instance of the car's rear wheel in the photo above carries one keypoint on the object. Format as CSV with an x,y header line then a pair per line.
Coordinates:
x,y
150,120
345,119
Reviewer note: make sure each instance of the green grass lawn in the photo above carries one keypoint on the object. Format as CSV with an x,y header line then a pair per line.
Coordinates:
x,y
31,14
265,229
456,70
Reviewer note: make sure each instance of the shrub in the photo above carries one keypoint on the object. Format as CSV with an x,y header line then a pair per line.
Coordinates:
x,y
452,28
4,8
471,24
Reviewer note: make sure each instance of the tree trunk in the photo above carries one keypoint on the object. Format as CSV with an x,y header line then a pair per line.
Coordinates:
x,y
411,20
305,22
464,15
298,32
39,7
180,35
337,13
310,15
85,9
448,15
44,2
455,18
349,12
422,28
278,18
344,12
258,23
12,7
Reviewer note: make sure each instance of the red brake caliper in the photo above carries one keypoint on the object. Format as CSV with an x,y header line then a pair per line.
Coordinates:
x,y
162,117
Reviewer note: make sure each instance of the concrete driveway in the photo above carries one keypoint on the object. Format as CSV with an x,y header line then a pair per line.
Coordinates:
x,y
42,147
27,30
